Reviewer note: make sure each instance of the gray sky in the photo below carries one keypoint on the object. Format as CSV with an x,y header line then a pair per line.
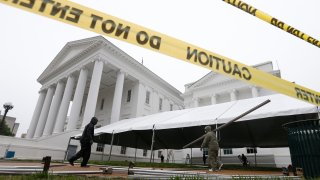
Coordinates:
x,y
29,42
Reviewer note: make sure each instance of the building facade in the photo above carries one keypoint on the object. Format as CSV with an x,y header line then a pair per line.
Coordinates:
x,y
214,88
93,77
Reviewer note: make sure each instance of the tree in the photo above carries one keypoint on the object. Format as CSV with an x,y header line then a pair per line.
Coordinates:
x,y
4,129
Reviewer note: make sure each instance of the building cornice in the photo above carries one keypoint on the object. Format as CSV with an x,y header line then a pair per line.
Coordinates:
x,y
219,84
208,76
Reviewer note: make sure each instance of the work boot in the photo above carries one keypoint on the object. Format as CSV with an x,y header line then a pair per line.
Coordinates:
x,y
71,162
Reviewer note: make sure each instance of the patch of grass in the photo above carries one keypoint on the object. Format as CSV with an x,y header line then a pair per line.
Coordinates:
x,y
259,178
251,168
186,178
40,176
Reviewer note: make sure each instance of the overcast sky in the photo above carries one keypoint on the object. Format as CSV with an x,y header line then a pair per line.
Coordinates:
x,y
29,42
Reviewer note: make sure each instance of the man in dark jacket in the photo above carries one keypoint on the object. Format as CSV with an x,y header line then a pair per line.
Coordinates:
x,y
210,141
86,141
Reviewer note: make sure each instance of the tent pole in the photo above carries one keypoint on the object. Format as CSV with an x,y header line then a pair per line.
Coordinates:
x,y
167,161
111,145
191,156
66,153
152,156
102,154
135,155
152,143
255,158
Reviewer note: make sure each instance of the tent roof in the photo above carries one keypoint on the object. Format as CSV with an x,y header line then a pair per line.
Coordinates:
x,y
191,122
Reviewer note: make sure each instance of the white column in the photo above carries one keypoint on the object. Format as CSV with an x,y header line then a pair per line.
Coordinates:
x,y
93,93
54,109
44,113
233,95
36,114
196,102
213,99
63,110
254,91
137,99
77,100
116,105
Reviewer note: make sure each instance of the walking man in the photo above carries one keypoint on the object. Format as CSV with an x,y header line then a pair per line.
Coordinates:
x,y
244,160
210,141
86,141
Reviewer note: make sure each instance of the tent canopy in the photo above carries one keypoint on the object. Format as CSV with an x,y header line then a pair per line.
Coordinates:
x,y
174,129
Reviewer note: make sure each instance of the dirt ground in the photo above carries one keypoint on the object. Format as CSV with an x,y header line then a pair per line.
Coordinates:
x,y
123,174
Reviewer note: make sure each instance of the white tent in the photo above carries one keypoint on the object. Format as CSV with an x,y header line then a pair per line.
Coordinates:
x,y
174,129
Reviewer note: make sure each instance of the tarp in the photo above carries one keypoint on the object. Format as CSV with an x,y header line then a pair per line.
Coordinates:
x,y
174,129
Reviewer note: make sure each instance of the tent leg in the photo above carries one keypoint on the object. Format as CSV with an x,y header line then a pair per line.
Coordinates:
x,y
191,156
255,159
66,153
102,152
153,157
152,141
167,161
135,155
111,146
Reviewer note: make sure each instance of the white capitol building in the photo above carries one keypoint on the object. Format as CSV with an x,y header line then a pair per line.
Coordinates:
x,y
93,77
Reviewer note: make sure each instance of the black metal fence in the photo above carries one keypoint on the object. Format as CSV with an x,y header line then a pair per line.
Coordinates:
x,y
304,145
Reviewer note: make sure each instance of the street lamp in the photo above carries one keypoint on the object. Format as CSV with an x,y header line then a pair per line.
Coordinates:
x,y
7,106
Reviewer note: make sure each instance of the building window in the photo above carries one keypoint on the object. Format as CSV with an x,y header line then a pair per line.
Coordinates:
x,y
251,150
160,104
145,153
123,150
100,147
171,107
101,105
159,154
129,95
227,151
147,97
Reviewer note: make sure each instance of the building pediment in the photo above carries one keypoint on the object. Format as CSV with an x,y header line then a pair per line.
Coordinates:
x,y
70,52
78,53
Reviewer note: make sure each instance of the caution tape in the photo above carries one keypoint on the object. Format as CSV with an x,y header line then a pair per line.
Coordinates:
x,y
274,21
90,19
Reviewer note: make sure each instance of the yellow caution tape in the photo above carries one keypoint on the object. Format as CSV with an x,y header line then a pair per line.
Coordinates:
x,y
274,21
90,19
